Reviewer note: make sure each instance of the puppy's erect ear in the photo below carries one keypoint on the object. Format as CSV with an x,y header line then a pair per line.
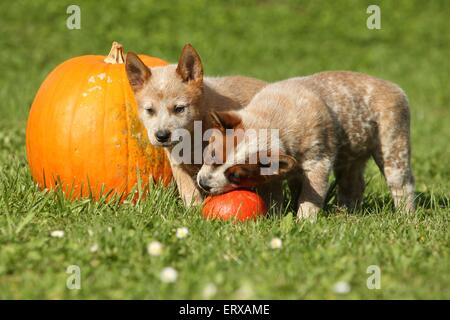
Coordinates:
x,y
225,120
137,72
190,66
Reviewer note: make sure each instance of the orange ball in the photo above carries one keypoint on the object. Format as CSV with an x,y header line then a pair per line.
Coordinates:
x,y
238,205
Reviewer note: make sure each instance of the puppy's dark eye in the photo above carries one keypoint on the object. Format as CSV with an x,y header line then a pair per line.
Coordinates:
x,y
179,108
150,111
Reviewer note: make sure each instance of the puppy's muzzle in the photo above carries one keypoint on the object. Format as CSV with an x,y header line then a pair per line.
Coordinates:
x,y
202,183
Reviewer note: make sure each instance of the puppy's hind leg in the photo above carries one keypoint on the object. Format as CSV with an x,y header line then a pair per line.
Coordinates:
x,y
393,153
350,183
399,177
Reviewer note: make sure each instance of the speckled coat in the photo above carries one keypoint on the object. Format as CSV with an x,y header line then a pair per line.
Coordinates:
x,y
334,121
160,89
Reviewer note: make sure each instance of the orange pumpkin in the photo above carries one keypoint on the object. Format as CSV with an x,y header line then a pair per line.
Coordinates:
x,y
238,205
83,129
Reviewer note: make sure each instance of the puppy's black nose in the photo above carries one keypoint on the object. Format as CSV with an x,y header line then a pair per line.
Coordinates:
x,y
162,135
203,185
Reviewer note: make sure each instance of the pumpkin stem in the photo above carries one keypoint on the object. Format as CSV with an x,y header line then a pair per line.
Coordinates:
x,y
116,54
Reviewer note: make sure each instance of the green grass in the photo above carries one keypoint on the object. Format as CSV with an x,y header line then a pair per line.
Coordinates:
x,y
266,39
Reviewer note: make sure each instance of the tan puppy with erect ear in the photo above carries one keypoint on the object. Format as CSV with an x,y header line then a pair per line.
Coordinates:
x,y
173,97
327,121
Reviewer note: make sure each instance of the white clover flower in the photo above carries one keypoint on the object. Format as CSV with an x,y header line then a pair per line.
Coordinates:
x,y
276,243
182,232
209,291
341,287
93,248
57,234
109,229
168,275
155,248
90,232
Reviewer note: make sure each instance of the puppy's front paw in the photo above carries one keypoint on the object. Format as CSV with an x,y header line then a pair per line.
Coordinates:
x,y
307,211
192,200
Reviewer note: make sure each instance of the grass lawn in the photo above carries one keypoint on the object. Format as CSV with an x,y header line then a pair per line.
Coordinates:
x,y
270,40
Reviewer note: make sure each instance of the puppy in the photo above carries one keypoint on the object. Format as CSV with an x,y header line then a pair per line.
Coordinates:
x,y
174,97
327,121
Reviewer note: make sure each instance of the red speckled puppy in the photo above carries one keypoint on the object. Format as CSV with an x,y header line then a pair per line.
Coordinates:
x,y
327,121
177,96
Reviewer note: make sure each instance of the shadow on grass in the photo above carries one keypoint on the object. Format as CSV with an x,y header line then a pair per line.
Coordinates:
x,y
379,202
428,200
